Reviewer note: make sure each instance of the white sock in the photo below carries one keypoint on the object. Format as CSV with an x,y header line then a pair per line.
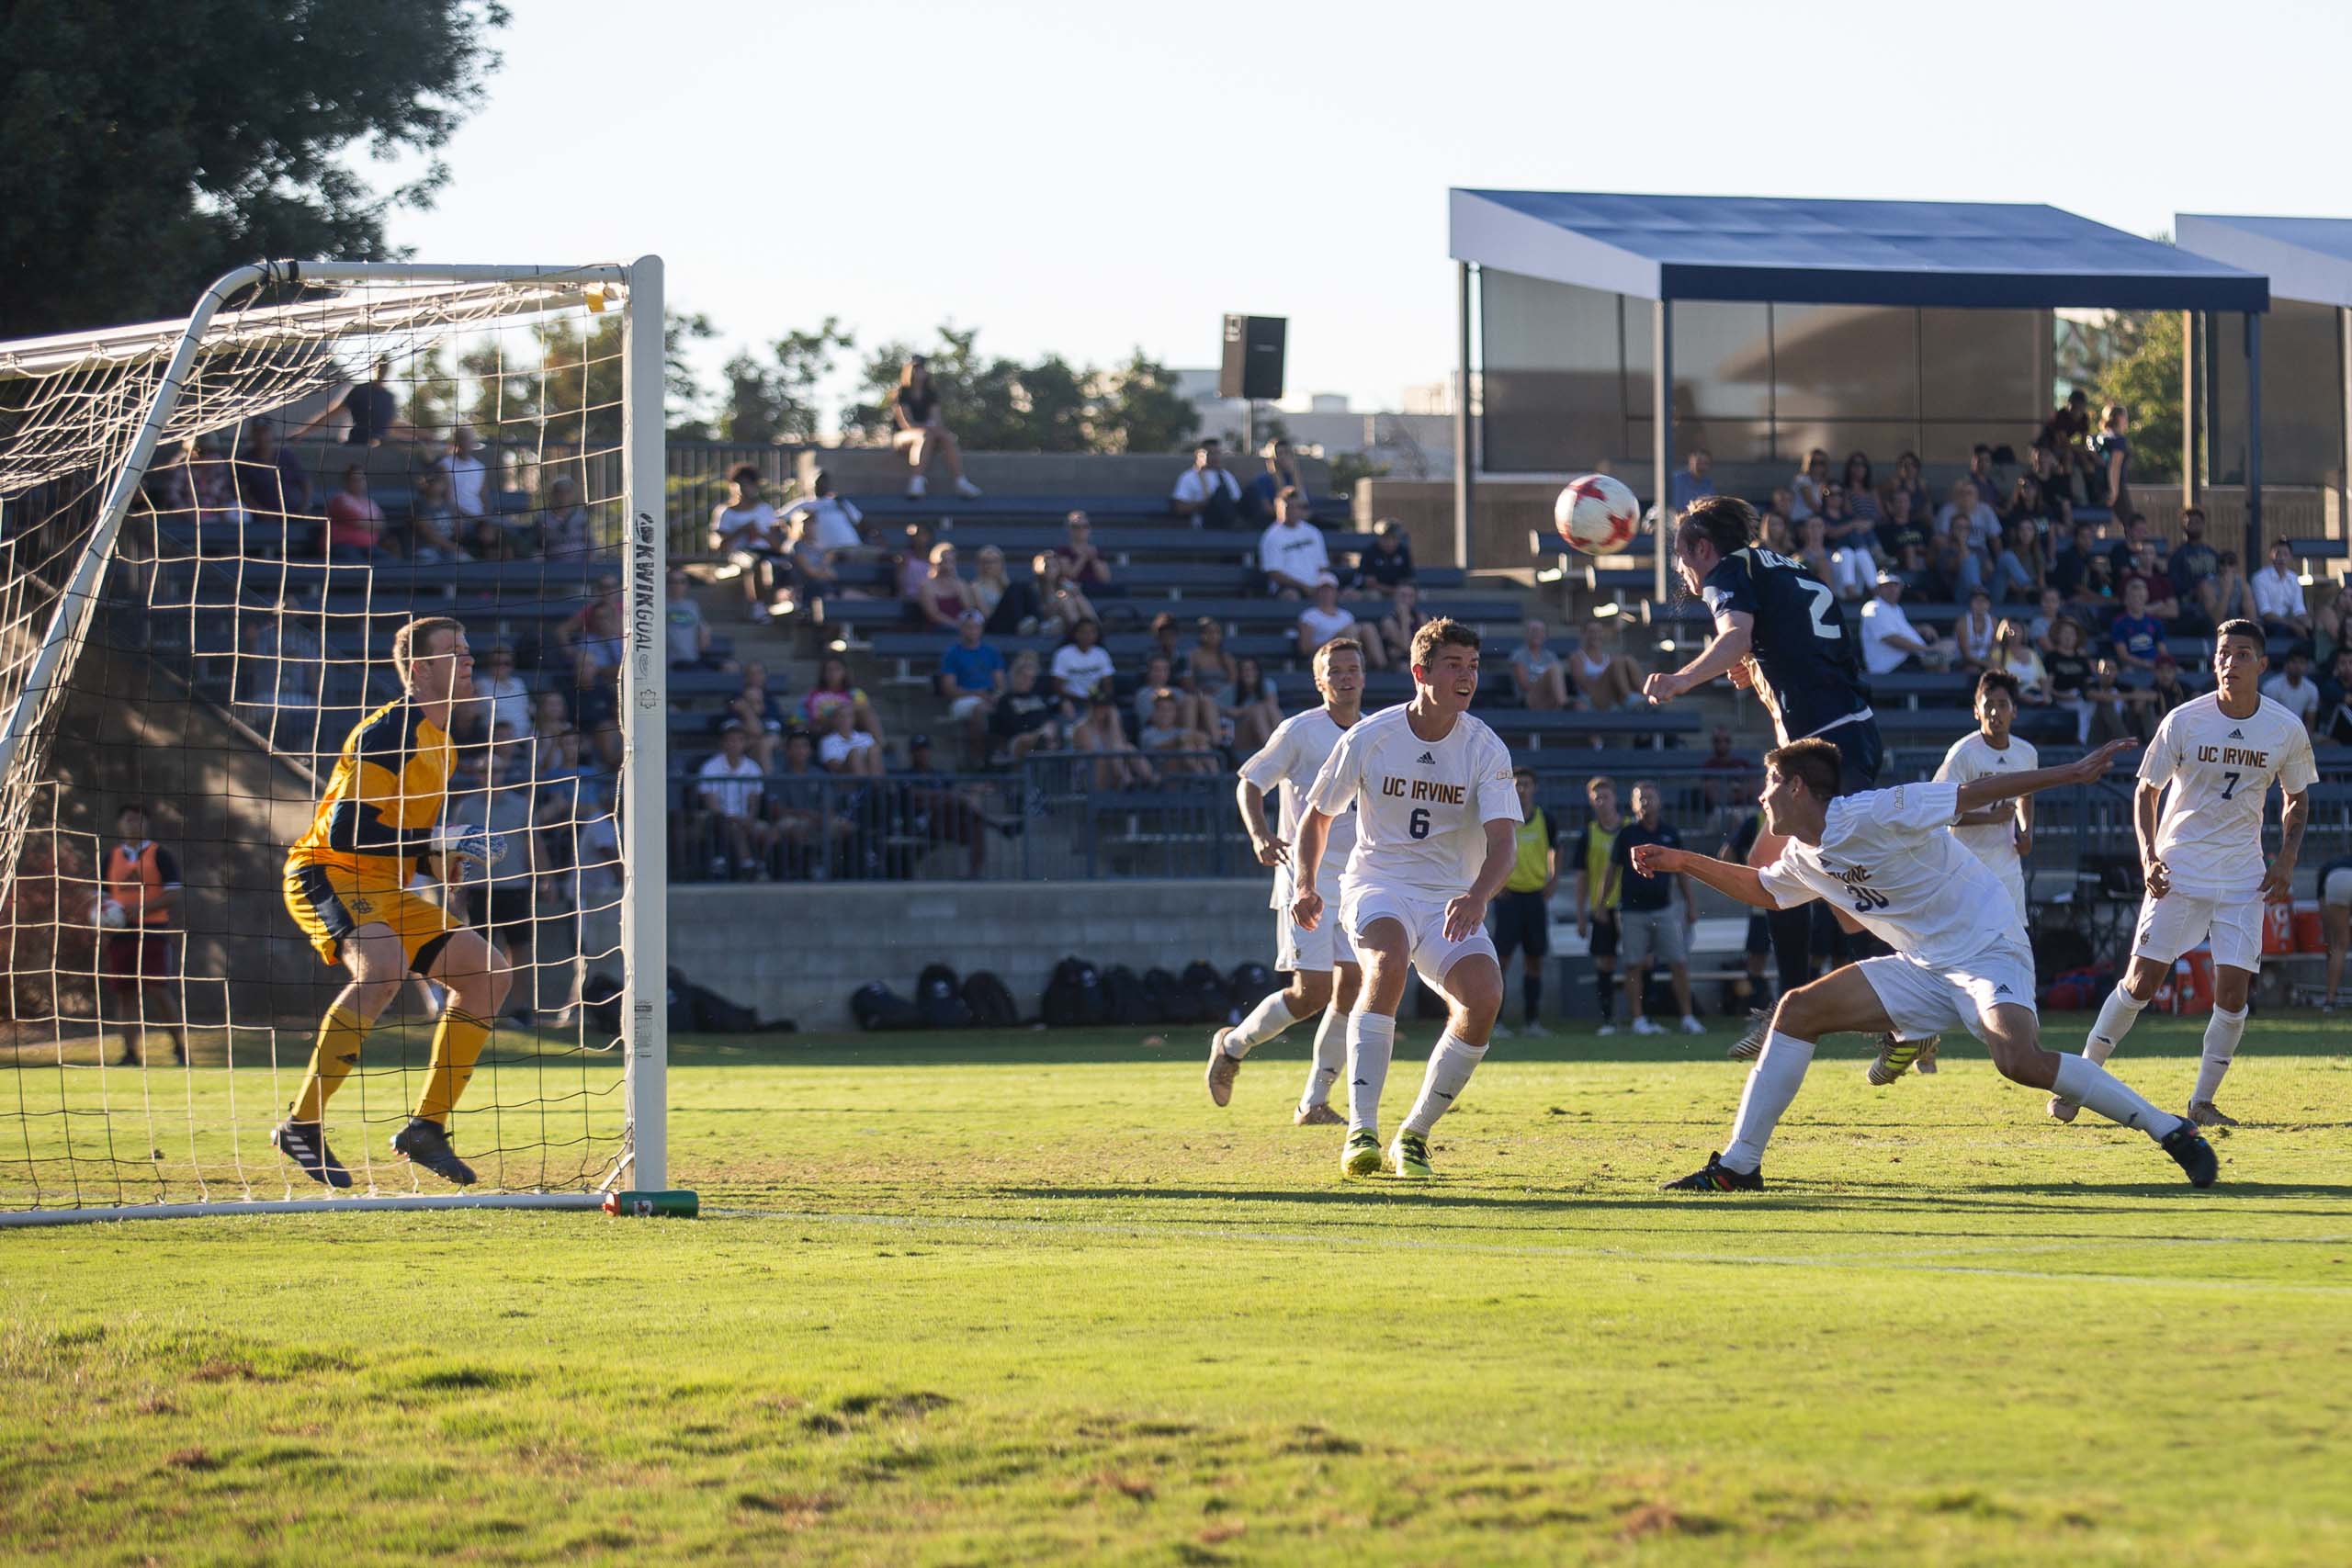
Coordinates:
x,y
1372,1040
2116,1017
1268,1019
1330,1059
1771,1084
2222,1031
1450,1066
2093,1088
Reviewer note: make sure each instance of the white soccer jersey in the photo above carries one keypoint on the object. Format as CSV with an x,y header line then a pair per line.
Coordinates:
x,y
1293,756
2221,769
1884,856
1972,757
1421,806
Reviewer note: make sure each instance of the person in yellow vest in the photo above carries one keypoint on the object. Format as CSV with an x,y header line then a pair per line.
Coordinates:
x,y
143,881
347,888
1523,912
1596,900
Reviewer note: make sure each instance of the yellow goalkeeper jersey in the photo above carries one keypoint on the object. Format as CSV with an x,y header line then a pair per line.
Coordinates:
x,y
383,800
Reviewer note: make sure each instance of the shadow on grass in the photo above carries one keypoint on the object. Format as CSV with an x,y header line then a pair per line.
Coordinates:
x,y
2063,1197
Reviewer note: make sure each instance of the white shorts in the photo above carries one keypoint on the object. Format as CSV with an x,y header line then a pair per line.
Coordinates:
x,y
1319,951
2012,876
1921,1000
965,705
1423,917
2337,887
2172,924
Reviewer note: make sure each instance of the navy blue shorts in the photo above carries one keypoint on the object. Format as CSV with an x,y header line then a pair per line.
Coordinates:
x,y
1861,754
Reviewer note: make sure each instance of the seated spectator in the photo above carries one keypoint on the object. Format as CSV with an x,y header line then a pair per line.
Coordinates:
x,y
1405,618
989,587
1205,492
1890,642
564,531
2014,652
846,748
1388,565
2232,596
2070,673
1975,637
2069,424
1024,719
1784,505
2328,619
744,527
2026,505
1605,678
2166,689
1983,475
1328,618
805,807
731,789
932,807
834,525
1281,471
2334,726
1163,644
687,632
2122,553
1952,568
1081,670
1292,553
1082,564
1208,666
913,564
500,692
486,538
1903,536
971,676
432,526
1773,533
550,722
941,597
1120,766
1165,731
1249,706
1805,487
2051,609
272,490
468,480
371,406
2135,637
832,690
1060,605
921,429
1984,526
1691,484
2115,713
2278,596
2190,568
1861,497
1193,711
2097,593
1853,564
355,523
1536,672
1813,550
1840,528
2293,689
2057,479
2016,567
2070,564
757,709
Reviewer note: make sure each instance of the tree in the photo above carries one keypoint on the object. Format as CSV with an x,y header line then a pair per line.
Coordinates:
x,y
2144,377
681,386
1137,407
154,145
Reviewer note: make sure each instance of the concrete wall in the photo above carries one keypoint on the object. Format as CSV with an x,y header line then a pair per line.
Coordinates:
x,y
798,951
1502,513
878,471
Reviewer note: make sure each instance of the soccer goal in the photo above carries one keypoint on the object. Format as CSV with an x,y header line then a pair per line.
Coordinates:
x,y
216,781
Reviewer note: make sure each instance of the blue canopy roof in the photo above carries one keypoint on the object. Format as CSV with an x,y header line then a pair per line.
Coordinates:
x,y
2306,258
1839,252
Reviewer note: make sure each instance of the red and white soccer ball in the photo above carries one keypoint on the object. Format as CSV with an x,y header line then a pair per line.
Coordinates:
x,y
1597,514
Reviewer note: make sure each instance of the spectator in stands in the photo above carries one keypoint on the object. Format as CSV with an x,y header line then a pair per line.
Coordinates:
x,y
1024,719
687,632
1983,475
355,523
1805,487
745,521
371,406
990,587
551,721
1119,765
1976,635
1649,928
1903,536
932,807
1605,678
2098,594
272,488
833,690
1952,568
564,530
1813,550
2013,652
731,788
2116,714
2139,558
432,526
2293,689
2232,596
2070,568
807,819
1983,524
2278,596
2070,673
2166,689
2135,637
2050,608
468,477
1726,776
1773,533
1082,670
1861,497
1328,618
1890,641
2328,625
1165,730
755,707
1195,710
2190,568
2069,424
1692,485
1405,618
1282,473
2057,479
1082,564
1292,553
500,692
921,429
2027,505
838,525
846,748
1853,562
1060,605
1388,565
1207,665
2334,726
1163,643
1205,492
941,598
2112,448
1250,706
1784,502
913,565
1541,679
971,677
1839,527
484,538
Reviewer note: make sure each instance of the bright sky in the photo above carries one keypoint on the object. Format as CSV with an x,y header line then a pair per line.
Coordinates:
x,y
1086,177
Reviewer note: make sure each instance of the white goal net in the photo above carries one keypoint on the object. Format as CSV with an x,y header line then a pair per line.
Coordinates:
x,y
248,955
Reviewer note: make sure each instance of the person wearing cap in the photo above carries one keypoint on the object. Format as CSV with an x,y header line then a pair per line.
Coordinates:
x,y
971,676
731,787
1890,640
1388,565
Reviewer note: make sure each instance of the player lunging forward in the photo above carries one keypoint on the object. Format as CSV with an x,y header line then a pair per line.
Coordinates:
x,y
346,886
2202,857
1320,962
1960,955
1435,808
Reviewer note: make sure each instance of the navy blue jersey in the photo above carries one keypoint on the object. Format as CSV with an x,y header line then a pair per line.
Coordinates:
x,y
1809,678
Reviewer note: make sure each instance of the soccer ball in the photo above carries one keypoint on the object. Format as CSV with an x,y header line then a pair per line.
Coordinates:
x,y
1597,514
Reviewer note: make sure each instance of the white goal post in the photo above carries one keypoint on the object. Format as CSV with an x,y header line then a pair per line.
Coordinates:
x,y
209,531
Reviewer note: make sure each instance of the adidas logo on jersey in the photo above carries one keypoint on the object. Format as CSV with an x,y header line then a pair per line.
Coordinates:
x,y
2237,734
2003,991
1430,759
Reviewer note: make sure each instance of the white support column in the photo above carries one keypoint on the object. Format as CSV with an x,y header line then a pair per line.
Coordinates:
x,y
1662,437
645,764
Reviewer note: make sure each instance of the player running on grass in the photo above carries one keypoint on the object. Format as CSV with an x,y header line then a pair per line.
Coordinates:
x,y
2202,857
1961,954
1435,808
1325,977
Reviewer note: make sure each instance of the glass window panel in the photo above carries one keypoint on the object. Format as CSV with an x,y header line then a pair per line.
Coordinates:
x,y
1844,362
1550,374
1984,365
2302,408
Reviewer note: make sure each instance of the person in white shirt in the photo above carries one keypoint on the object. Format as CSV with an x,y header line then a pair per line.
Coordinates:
x,y
1977,634
1081,668
2201,854
730,787
826,521
2291,691
1205,492
2000,835
744,529
2279,595
1326,618
468,477
1325,976
1291,552
1959,957
496,683
1889,637
1436,813
1984,523
846,748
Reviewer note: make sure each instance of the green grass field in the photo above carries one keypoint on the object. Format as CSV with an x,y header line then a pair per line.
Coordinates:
x,y
1028,1298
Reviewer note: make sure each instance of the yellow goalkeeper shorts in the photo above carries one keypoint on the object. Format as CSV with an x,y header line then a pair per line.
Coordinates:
x,y
329,904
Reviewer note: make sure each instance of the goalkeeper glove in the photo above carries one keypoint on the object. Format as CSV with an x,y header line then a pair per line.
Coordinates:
x,y
468,842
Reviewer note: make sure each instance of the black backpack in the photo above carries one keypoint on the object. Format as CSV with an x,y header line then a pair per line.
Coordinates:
x,y
1074,994
939,997
1125,998
877,1007
1207,988
1167,1000
1251,980
991,1003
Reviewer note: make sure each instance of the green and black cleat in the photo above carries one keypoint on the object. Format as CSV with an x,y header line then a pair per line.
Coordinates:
x,y
1361,1156
1718,1178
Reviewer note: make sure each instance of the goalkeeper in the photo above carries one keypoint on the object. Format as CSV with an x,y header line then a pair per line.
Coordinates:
x,y
347,885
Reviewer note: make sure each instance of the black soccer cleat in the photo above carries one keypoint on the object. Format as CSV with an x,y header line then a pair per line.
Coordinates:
x,y
2191,1153
305,1144
1750,1044
1718,1178
427,1144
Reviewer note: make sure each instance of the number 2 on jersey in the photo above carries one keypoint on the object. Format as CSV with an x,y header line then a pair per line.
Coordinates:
x,y
1818,592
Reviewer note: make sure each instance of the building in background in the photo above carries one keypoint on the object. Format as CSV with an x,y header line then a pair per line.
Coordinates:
x,y
1414,443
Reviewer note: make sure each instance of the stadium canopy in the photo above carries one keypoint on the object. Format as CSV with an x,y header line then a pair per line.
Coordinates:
x,y
1927,255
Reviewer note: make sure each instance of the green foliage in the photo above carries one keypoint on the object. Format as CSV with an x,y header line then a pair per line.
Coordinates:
x,y
154,145
2141,371
1347,468
996,404
1138,409
775,399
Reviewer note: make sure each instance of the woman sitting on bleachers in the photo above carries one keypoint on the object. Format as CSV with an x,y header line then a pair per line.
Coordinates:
x,y
832,690
1101,732
1208,666
1907,479
1249,705
1813,550
1862,496
941,597
1805,487
1193,711
1405,618
2015,654
1060,604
